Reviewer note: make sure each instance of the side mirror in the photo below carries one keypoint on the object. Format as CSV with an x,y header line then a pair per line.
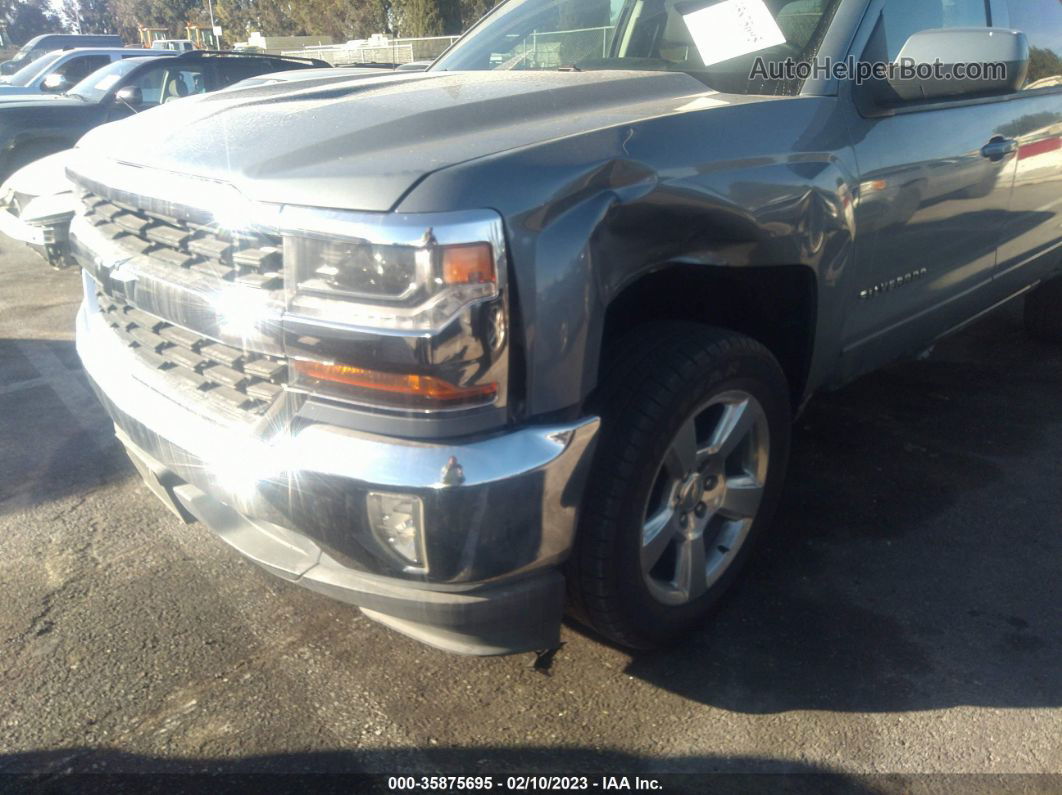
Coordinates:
x,y
960,62
130,95
55,83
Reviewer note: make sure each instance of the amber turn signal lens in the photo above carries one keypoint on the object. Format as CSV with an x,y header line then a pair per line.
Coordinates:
x,y
424,387
472,264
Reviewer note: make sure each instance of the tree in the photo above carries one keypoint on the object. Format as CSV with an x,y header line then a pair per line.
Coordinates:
x,y
271,17
89,16
419,18
170,14
25,19
370,16
472,10
1043,64
342,21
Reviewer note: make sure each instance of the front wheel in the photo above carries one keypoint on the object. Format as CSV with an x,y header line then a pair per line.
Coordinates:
x,y
695,439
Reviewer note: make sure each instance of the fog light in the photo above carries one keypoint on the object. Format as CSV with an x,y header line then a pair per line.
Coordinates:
x,y
398,522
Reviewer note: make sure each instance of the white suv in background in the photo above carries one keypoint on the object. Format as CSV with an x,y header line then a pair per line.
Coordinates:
x,y
55,72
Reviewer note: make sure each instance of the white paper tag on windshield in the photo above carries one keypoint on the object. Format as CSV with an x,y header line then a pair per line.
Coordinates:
x,y
733,28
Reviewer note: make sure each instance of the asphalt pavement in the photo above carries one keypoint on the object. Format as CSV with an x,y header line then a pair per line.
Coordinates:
x,y
906,620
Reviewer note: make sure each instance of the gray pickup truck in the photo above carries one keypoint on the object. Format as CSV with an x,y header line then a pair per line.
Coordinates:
x,y
527,332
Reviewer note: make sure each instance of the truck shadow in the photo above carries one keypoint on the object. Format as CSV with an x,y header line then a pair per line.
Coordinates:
x,y
916,559
56,439
82,770
915,562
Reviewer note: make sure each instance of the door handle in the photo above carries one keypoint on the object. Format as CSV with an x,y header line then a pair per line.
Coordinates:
x,y
999,148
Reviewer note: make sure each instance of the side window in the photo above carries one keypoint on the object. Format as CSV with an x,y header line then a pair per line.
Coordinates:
x,y
77,68
183,83
903,18
233,70
166,83
1041,21
150,85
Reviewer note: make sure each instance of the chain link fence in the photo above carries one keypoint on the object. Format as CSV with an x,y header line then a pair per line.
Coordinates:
x,y
559,48
396,51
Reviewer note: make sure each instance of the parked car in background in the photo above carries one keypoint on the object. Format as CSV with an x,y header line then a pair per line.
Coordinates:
x,y
531,328
59,71
37,202
36,205
34,127
45,43
180,45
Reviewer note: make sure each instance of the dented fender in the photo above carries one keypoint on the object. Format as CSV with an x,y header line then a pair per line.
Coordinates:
x,y
730,182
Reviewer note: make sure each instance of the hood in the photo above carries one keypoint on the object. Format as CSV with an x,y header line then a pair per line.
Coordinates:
x,y
41,101
363,143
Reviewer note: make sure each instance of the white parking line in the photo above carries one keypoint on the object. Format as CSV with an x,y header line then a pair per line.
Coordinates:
x,y
1049,206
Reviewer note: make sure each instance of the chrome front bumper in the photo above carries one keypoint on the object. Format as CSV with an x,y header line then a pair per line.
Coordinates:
x,y
295,504
47,234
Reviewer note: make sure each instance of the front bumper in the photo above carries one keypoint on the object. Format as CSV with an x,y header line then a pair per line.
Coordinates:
x,y
295,504
49,239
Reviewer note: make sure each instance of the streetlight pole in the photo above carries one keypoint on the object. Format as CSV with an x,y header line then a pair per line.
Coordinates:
x,y
213,26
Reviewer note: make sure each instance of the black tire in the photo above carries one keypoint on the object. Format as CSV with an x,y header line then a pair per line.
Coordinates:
x,y
662,374
1043,311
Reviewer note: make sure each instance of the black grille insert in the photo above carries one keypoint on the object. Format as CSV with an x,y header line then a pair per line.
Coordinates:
x,y
226,376
251,259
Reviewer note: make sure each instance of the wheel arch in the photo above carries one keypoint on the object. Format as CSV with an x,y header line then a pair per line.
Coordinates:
x,y
774,305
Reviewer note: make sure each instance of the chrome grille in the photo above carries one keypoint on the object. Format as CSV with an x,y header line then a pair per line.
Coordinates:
x,y
230,378
250,259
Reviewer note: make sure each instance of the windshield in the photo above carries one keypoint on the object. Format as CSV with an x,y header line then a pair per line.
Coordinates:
x,y
25,50
96,85
716,41
25,75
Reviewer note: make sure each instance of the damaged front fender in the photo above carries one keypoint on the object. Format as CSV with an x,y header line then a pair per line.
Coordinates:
x,y
734,182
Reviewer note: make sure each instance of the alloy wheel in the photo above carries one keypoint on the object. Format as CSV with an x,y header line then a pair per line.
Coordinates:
x,y
705,497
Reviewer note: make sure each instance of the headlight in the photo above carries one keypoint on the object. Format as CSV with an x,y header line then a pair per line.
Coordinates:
x,y
418,300
404,288
399,314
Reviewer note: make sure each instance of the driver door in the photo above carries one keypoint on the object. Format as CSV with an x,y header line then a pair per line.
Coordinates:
x,y
931,206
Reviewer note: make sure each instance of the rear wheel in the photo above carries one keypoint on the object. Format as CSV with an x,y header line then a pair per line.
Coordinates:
x,y
695,437
1043,311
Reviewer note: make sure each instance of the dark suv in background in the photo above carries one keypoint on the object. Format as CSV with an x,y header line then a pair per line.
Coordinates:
x,y
530,329
33,127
